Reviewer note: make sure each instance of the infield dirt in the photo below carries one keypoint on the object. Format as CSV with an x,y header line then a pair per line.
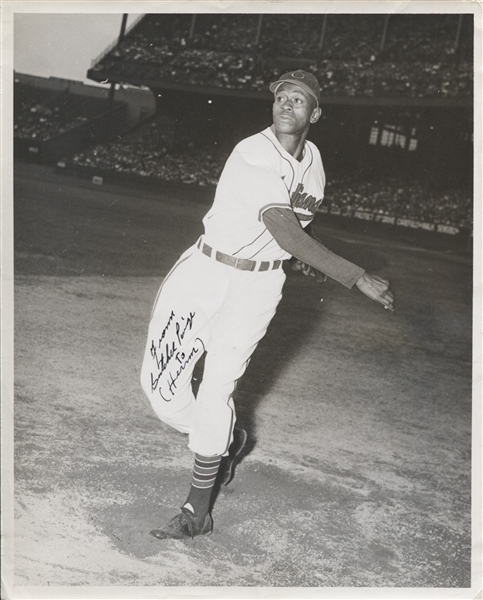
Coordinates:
x,y
358,469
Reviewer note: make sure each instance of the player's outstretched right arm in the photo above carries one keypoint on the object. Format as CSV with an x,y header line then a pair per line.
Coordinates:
x,y
291,237
286,230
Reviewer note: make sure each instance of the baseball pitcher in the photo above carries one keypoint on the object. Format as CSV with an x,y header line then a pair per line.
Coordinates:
x,y
222,293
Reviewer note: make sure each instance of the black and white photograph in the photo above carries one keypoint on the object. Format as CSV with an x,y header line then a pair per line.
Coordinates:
x,y
241,300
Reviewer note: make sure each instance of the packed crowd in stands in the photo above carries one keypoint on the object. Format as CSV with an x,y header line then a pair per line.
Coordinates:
x,y
226,33
399,198
136,157
419,56
41,114
391,197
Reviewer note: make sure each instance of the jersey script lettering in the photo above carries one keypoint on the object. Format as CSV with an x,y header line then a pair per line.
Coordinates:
x,y
303,203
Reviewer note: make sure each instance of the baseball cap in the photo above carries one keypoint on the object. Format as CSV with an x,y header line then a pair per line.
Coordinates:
x,y
302,79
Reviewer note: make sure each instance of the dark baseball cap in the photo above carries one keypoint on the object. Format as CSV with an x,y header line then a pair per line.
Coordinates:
x,y
303,79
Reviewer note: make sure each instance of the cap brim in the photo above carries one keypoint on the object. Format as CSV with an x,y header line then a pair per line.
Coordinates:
x,y
276,84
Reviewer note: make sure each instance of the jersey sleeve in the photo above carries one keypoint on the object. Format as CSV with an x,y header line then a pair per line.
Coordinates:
x,y
290,236
259,186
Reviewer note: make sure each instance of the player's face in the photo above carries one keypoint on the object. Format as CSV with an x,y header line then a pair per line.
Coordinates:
x,y
294,110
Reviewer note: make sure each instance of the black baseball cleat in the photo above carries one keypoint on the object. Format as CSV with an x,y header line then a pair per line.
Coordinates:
x,y
184,525
240,437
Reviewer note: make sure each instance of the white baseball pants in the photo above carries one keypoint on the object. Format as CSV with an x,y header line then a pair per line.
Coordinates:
x,y
204,305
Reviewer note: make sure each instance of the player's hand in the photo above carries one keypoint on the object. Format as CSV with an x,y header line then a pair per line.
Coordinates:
x,y
377,289
308,271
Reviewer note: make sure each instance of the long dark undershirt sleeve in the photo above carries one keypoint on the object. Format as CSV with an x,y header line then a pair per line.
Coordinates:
x,y
290,236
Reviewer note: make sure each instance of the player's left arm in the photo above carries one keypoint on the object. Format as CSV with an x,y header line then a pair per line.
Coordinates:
x,y
290,236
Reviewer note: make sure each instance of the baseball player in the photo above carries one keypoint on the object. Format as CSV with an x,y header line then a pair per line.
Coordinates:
x,y
222,293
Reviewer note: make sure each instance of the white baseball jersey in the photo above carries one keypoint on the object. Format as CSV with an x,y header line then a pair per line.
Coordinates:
x,y
260,174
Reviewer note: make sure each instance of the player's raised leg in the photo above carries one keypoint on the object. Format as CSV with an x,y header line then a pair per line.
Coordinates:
x,y
176,341
177,337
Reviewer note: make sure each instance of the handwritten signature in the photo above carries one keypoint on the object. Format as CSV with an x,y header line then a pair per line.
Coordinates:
x,y
184,360
164,350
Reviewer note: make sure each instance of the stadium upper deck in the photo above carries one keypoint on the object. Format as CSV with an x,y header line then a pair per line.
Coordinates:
x,y
354,56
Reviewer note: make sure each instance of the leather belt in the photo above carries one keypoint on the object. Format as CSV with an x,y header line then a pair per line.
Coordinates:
x,y
244,264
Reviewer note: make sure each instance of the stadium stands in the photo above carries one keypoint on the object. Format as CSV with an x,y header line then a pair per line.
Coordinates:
x,y
401,199
354,56
147,153
41,114
415,56
395,198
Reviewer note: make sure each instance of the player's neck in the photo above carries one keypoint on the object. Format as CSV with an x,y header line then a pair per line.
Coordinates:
x,y
293,144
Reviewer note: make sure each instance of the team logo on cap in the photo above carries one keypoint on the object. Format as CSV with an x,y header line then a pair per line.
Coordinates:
x,y
298,74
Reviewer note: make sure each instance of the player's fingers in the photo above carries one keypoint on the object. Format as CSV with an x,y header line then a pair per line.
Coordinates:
x,y
388,301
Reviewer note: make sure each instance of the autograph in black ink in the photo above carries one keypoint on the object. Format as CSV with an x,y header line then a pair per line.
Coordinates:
x,y
180,333
184,360
163,356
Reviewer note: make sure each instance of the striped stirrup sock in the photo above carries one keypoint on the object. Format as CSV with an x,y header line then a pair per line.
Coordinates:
x,y
203,479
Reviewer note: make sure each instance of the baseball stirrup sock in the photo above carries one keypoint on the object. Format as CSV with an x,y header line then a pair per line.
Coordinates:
x,y
203,480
